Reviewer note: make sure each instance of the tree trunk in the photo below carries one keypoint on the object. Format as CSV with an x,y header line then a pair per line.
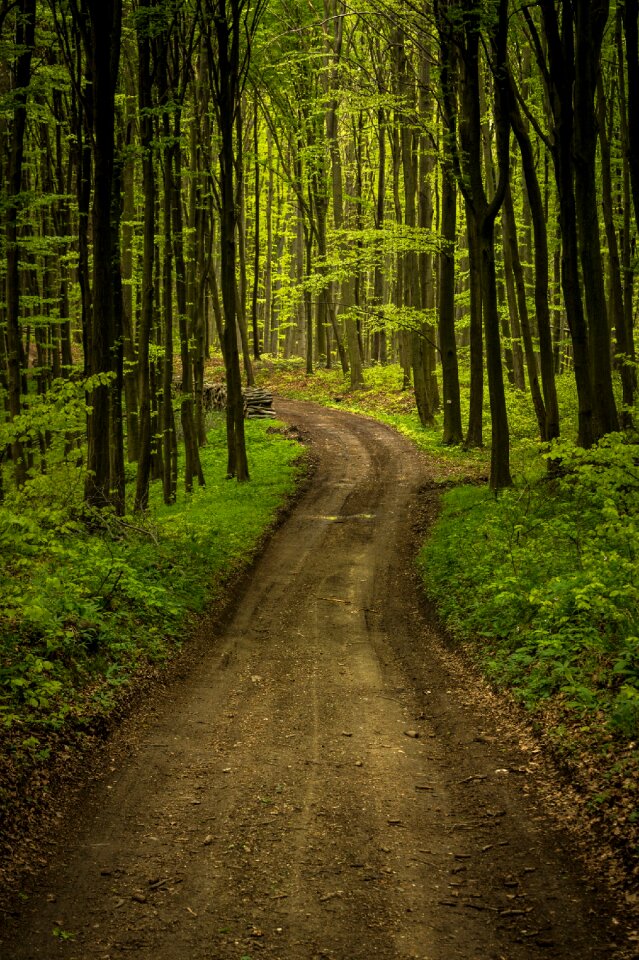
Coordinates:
x,y
148,263
333,7
167,423
192,464
453,433
623,348
104,52
256,237
446,308
128,327
631,29
225,67
560,83
512,244
25,40
379,352
590,22
485,212
241,291
547,361
628,268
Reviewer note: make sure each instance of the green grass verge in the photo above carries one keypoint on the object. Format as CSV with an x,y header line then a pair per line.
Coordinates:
x,y
545,580
85,606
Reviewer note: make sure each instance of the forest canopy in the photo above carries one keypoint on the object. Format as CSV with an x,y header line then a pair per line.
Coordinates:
x,y
432,184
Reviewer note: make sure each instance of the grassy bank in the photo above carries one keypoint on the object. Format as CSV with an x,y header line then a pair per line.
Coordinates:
x,y
87,601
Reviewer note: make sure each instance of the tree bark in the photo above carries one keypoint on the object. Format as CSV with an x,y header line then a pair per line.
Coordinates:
x,y
485,212
590,22
560,81
452,433
148,263
225,66
547,361
25,40
512,245
256,236
103,49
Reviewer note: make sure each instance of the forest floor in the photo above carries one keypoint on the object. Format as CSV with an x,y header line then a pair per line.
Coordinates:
x,y
329,780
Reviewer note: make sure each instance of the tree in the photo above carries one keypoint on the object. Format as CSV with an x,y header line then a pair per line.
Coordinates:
x,y
24,39
467,26
228,64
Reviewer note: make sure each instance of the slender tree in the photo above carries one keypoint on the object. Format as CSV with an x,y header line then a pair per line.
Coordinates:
x,y
25,39
233,22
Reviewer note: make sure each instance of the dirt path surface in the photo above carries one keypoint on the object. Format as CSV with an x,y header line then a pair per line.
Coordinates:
x,y
321,786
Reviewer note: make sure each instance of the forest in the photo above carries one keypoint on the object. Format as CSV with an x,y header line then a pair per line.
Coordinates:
x,y
423,210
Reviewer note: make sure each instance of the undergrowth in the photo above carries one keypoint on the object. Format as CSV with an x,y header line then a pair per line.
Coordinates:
x,y
87,599
544,579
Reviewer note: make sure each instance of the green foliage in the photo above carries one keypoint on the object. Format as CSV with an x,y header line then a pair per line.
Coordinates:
x,y
551,594
87,598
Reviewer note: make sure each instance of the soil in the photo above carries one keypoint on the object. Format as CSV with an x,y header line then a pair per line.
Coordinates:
x,y
328,781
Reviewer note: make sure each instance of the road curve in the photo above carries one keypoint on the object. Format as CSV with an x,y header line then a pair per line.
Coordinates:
x,y
319,787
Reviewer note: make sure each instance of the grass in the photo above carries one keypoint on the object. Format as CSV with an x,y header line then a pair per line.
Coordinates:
x,y
88,602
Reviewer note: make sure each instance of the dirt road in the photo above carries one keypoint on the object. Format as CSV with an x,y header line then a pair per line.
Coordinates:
x,y
321,786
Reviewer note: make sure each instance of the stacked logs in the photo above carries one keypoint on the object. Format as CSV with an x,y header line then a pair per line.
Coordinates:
x,y
214,396
258,404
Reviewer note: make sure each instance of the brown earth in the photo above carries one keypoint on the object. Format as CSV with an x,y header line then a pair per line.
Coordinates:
x,y
329,781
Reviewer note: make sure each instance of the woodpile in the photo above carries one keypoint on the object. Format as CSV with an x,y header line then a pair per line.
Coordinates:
x,y
214,396
258,404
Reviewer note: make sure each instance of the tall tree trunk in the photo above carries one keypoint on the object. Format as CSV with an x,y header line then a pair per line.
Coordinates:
x,y
192,464
411,286
268,266
547,362
148,263
617,308
590,23
167,422
103,49
128,324
256,237
425,215
628,267
116,446
512,245
333,9
560,84
225,66
25,40
485,212
241,291
379,351
631,30
452,433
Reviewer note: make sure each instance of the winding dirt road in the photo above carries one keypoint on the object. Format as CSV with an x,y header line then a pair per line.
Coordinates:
x,y
321,786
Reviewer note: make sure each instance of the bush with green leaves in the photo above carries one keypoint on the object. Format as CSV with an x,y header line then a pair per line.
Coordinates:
x,y
548,586
86,598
